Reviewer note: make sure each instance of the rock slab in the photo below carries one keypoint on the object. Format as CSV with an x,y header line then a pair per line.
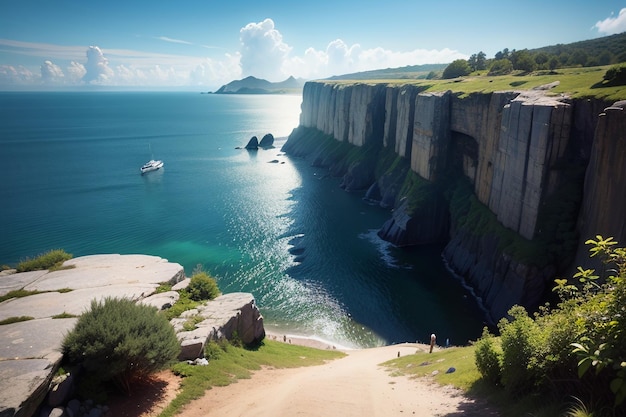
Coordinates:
x,y
30,351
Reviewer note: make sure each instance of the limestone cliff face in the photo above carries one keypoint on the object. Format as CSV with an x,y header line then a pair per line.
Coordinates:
x,y
603,210
516,149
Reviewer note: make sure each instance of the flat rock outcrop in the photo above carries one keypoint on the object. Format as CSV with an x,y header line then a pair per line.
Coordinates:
x,y
226,316
30,351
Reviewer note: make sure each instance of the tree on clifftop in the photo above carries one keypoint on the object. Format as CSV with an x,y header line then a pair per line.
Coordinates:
x,y
478,61
457,68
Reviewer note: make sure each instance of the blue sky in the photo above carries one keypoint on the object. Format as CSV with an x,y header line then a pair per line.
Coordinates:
x,y
204,44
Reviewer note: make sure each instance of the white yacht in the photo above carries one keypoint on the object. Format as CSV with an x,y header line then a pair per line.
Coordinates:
x,y
152,165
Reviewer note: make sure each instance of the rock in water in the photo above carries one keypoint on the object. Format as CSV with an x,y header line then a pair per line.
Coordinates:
x,y
253,143
267,141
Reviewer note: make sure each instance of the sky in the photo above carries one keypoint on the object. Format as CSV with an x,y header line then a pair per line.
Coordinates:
x,y
203,44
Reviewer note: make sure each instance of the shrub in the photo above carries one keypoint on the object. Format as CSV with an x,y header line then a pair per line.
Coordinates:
x,y
202,287
488,358
522,352
456,68
501,67
616,75
49,260
120,341
576,349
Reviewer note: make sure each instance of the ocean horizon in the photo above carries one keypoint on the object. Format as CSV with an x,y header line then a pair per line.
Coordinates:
x,y
258,221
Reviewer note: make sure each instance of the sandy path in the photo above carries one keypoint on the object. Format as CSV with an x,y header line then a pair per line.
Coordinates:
x,y
352,386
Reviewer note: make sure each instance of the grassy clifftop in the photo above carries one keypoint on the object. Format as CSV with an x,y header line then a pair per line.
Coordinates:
x,y
585,82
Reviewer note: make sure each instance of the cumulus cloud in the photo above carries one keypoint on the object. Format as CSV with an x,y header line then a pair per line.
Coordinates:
x,y
613,24
51,73
216,72
262,50
75,72
263,53
340,58
16,75
97,67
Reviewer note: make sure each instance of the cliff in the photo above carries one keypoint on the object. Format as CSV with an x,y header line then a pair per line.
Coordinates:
x,y
500,177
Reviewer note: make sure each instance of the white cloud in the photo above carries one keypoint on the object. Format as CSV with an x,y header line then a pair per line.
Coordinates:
x,y
97,67
51,73
166,39
216,73
339,58
16,75
262,50
612,25
263,53
75,72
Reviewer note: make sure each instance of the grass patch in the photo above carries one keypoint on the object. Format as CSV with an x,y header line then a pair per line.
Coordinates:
x,y
16,319
51,260
467,378
18,294
228,363
423,364
585,82
64,315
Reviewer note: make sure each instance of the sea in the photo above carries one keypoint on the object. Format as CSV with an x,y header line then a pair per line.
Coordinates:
x,y
257,221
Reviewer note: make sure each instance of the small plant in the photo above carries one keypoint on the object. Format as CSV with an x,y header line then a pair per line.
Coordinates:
x,y
202,287
50,260
163,287
191,322
183,304
120,341
64,315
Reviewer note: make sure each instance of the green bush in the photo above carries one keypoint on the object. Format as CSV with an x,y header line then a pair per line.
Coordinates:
x,y
616,75
574,350
522,352
49,260
456,68
488,357
202,287
121,341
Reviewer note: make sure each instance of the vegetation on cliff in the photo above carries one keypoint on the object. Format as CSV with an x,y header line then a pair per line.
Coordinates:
x,y
573,350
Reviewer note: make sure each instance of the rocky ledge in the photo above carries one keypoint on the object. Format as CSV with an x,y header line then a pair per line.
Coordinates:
x,y
30,351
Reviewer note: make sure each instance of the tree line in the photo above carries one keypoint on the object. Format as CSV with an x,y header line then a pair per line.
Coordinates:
x,y
609,50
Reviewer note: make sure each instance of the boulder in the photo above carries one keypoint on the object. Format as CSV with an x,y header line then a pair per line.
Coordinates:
x,y
224,317
253,143
267,141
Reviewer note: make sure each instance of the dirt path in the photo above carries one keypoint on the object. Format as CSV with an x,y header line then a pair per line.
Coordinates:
x,y
352,386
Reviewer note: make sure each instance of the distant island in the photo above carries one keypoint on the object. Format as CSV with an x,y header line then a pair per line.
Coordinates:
x,y
253,85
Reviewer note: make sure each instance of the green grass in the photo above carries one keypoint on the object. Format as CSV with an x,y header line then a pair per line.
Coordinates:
x,y
467,378
15,319
52,260
233,363
18,294
576,82
64,315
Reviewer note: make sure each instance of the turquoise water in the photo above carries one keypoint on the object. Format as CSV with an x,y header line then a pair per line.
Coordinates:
x,y
258,221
